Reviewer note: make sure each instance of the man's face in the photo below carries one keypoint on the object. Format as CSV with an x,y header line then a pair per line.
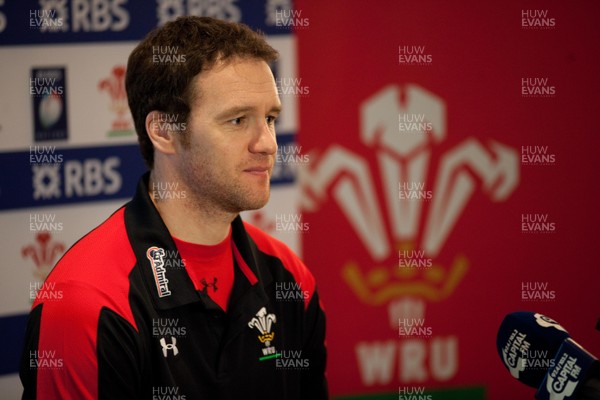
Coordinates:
x,y
229,157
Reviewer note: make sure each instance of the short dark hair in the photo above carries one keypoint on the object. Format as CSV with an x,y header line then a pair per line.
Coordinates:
x,y
165,86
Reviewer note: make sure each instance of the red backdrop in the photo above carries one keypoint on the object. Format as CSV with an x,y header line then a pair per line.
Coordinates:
x,y
452,180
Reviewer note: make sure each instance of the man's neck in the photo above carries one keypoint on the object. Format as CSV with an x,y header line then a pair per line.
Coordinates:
x,y
187,218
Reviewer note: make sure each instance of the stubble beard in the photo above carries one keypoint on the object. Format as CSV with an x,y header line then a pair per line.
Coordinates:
x,y
213,191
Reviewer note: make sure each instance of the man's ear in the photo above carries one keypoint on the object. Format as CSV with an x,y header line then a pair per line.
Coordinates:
x,y
159,132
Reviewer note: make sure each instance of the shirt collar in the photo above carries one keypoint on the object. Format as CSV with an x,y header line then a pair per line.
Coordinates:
x,y
160,264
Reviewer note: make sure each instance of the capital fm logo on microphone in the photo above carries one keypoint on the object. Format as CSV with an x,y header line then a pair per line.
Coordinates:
x,y
563,379
515,351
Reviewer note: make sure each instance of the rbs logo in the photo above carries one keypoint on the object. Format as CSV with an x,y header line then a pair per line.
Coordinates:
x,y
76,178
82,16
99,15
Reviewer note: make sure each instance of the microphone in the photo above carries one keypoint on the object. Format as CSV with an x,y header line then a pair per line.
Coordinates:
x,y
573,375
540,353
527,343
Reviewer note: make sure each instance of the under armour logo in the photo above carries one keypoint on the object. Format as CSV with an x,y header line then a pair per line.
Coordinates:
x,y
171,346
207,285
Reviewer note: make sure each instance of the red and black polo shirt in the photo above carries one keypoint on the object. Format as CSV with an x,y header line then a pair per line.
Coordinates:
x,y
120,317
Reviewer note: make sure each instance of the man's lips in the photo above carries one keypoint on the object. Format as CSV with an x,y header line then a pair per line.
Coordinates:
x,y
259,170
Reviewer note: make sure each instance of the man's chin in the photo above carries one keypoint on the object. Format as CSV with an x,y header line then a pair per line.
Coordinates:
x,y
247,204
256,204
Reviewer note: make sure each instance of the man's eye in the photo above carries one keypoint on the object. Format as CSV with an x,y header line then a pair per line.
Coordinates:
x,y
237,121
271,119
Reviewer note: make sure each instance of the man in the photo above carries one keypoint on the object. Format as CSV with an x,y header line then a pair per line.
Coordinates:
x,y
174,296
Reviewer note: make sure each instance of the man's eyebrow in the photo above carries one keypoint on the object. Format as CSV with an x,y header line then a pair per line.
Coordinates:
x,y
230,112
276,109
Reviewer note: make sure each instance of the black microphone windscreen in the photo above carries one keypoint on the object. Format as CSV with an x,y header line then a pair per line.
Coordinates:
x,y
527,343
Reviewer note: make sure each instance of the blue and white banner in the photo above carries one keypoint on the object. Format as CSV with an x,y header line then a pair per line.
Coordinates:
x,y
68,148
36,22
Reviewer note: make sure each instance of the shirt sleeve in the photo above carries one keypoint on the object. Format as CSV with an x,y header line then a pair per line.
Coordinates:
x,y
314,382
74,346
119,358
